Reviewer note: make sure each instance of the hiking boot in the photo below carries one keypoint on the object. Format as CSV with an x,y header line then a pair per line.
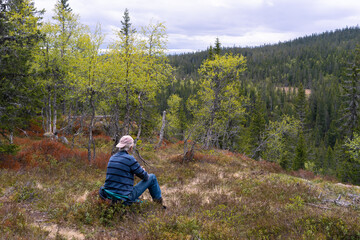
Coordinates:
x,y
160,201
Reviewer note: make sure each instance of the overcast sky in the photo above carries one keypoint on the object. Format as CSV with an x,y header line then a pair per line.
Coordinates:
x,y
193,25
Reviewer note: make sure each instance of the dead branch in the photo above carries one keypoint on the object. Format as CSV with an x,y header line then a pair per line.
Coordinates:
x,y
24,132
338,202
139,157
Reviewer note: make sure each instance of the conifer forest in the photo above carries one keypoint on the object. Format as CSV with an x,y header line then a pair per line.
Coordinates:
x,y
295,103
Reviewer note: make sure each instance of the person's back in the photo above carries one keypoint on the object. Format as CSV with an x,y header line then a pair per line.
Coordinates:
x,y
119,183
120,173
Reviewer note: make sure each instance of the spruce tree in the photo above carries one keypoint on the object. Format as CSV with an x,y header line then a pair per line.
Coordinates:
x,y
351,98
65,5
19,35
126,32
328,165
338,157
217,49
300,153
211,53
257,126
126,29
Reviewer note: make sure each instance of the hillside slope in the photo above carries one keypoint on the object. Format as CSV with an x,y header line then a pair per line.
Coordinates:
x,y
304,59
219,195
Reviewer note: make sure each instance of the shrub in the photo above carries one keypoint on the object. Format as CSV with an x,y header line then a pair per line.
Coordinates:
x,y
40,153
181,227
331,227
8,149
102,160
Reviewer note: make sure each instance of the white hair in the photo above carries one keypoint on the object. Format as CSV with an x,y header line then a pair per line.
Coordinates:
x,y
127,147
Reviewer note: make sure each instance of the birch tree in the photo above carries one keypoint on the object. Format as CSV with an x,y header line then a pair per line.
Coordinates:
x,y
53,61
124,69
219,106
137,67
87,78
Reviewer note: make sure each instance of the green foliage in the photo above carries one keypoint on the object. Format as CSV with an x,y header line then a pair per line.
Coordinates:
x,y
175,116
315,65
54,62
300,104
349,169
297,203
8,149
331,228
217,48
174,228
280,141
136,68
26,193
257,126
300,153
218,108
19,36
353,146
351,98
290,63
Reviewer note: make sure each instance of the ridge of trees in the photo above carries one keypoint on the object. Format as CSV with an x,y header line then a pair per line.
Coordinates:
x,y
287,63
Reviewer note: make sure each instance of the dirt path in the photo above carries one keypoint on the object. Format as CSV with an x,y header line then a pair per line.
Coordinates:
x,y
40,220
55,230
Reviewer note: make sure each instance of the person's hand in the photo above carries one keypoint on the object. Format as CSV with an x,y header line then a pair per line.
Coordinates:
x,y
143,168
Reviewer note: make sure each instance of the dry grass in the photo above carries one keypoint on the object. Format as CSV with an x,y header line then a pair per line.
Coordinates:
x,y
291,89
218,195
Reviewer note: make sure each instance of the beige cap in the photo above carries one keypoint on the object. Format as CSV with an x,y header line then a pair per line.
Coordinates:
x,y
126,140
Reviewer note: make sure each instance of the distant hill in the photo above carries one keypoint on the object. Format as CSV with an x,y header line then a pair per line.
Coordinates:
x,y
303,60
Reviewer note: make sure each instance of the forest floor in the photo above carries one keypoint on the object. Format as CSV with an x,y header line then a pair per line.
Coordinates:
x,y
52,193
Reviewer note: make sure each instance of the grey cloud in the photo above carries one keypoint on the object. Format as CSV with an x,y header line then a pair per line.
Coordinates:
x,y
194,24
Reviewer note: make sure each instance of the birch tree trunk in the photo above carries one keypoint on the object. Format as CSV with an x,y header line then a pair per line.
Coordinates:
x,y
117,130
55,111
48,129
91,125
162,130
140,121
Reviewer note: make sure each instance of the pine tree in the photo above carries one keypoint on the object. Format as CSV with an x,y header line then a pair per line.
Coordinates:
x,y
217,49
211,53
127,33
126,25
329,161
65,5
332,134
351,98
257,126
338,157
300,153
19,35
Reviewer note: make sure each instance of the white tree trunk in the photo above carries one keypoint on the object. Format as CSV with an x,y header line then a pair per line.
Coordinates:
x,y
55,113
162,130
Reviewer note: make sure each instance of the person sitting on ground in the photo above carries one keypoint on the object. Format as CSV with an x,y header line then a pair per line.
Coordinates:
x,y
119,182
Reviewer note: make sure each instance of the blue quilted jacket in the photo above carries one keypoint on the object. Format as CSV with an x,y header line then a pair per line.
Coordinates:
x,y
120,173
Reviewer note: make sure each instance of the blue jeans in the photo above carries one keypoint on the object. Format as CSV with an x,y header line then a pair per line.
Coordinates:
x,y
151,184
